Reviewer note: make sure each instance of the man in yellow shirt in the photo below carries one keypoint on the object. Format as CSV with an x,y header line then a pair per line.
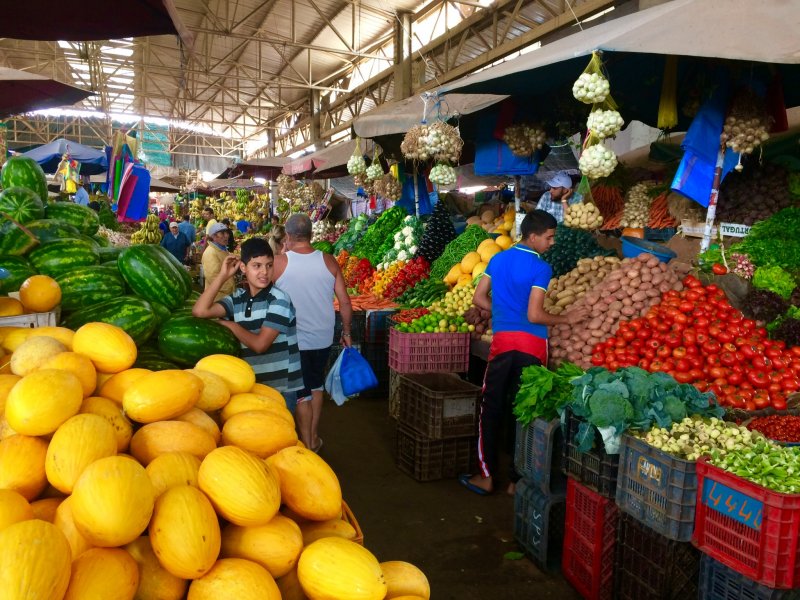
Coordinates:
x,y
208,215
214,255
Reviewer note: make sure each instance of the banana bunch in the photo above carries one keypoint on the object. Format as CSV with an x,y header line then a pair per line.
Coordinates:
x,y
149,233
195,208
242,198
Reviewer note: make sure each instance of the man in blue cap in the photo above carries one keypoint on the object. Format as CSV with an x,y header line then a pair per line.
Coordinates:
x,y
560,194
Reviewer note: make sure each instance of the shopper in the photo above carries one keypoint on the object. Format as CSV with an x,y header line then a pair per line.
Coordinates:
x,y
209,218
81,196
214,256
188,229
312,278
559,195
261,316
176,243
513,289
277,239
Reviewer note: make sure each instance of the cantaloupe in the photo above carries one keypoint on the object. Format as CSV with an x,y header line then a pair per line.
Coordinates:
x,y
195,416
65,521
504,242
261,432
161,395
405,579
215,392
77,364
308,485
252,401
236,373
22,460
109,347
33,353
269,392
464,279
276,545
13,508
170,436
469,261
77,443
235,578
10,307
172,469
42,401
45,509
117,384
334,567
479,269
39,570
290,587
7,381
315,530
155,582
453,274
107,573
489,251
111,412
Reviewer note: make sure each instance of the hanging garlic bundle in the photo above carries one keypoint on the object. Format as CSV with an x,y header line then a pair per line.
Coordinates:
x,y
286,186
317,191
356,165
747,125
438,141
443,175
591,88
524,140
374,171
597,161
388,187
411,146
604,123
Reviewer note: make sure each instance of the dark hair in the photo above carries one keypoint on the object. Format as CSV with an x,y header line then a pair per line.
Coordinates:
x,y
208,209
226,222
537,222
186,217
255,248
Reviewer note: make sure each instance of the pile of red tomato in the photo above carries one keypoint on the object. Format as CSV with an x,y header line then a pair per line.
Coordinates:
x,y
697,337
412,272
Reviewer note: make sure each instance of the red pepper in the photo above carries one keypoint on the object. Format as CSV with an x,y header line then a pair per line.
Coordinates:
x,y
719,269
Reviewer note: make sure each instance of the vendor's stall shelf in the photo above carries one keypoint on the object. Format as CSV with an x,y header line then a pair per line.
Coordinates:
x,y
426,459
539,523
753,530
596,468
590,536
439,405
657,488
32,320
394,394
718,582
539,455
428,352
377,326
349,517
652,567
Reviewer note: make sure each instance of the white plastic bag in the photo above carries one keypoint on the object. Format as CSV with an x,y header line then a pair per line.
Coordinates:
x,y
333,382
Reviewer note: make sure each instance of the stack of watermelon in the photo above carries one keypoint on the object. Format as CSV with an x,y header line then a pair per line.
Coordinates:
x,y
142,289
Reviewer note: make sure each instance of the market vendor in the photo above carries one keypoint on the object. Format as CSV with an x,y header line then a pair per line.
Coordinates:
x,y
213,256
559,195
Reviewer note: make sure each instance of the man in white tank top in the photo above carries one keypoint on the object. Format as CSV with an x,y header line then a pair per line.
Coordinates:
x,y
312,278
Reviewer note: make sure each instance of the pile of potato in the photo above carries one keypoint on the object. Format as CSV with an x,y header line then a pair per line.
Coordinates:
x,y
583,216
627,292
565,290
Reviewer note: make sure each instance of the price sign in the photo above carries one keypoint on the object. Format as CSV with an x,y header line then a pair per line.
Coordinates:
x,y
734,504
734,230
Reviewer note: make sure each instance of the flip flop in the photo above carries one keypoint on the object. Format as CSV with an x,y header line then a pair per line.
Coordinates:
x,y
318,448
464,480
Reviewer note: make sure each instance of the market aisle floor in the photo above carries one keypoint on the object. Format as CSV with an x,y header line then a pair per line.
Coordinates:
x,y
456,537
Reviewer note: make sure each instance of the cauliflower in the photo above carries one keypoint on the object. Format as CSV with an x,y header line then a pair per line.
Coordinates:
x,y
402,255
407,231
412,250
410,240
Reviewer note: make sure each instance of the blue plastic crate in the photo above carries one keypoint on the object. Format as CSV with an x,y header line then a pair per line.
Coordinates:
x,y
377,326
539,524
539,455
718,582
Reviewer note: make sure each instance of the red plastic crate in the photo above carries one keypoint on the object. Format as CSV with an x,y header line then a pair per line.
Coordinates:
x,y
749,528
428,352
590,536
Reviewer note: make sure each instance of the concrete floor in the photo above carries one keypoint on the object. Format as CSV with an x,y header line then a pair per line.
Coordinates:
x,y
456,537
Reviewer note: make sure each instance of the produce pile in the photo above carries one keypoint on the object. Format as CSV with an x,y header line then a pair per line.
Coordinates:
x,y
326,231
774,241
571,246
424,293
456,250
764,463
481,321
379,237
355,231
406,242
565,290
439,231
583,216
412,272
435,322
754,195
149,232
636,212
694,437
503,224
122,483
628,291
780,428
544,393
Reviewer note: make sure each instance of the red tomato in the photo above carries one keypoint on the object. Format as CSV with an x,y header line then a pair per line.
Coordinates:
x,y
682,365
719,269
728,359
735,378
758,379
679,352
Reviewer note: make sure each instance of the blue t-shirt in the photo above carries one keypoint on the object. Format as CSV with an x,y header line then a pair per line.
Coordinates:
x,y
514,273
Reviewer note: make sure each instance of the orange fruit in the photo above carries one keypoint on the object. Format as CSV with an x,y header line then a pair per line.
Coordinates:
x,y
40,293
10,307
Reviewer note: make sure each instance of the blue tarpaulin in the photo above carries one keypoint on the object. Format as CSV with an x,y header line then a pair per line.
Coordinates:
x,y
49,156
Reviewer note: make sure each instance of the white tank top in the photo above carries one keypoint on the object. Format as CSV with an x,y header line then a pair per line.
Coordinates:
x,y
309,284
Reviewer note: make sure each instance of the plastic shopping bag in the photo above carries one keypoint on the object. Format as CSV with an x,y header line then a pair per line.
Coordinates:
x,y
355,373
333,382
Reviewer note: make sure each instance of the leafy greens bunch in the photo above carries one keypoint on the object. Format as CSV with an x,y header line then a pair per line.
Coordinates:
x,y
543,392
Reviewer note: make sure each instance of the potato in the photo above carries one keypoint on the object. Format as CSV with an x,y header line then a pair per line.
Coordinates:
x,y
639,296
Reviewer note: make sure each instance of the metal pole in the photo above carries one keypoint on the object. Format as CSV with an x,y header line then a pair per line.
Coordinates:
x,y
712,200
416,192
518,214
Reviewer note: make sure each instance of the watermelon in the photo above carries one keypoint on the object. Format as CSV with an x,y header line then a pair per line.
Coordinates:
x,y
21,204
15,239
47,230
101,240
131,313
19,270
109,253
81,217
155,363
85,286
185,340
162,313
185,277
154,274
21,171
60,256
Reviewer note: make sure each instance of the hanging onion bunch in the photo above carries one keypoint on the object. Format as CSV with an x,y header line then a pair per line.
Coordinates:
x,y
524,140
636,212
597,161
747,124
374,171
367,185
438,141
388,187
442,174
604,123
591,88
287,187
356,165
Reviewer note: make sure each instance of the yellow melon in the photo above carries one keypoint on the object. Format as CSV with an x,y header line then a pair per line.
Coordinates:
x,y
236,373
5,365
251,401
276,546
101,380
489,251
22,461
504,242
171,469
469,261
484,244
45,509
453,274
290,587
334,567
39,570
161,395
215,392
235,578
109,347
315,530
405,579
112,501
464,279
195,416
155,582
269,392
111,412
62,334
13,508
240,486
10,307
107,573
479,269
78,365
40,293
185,532
5,429
308,485
75,445
42,401
7,381
33,353
65,521
117,384
261,432
170,436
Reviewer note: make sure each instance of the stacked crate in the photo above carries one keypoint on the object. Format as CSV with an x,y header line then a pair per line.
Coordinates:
x,y
375,348
540,498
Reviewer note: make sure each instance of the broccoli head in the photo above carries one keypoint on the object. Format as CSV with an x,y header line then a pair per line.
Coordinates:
x,y
609,409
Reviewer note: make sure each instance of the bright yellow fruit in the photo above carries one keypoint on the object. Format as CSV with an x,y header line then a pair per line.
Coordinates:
x,y
40,293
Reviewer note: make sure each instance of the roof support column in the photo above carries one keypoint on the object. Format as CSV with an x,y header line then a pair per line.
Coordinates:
x,y
402,55
314,99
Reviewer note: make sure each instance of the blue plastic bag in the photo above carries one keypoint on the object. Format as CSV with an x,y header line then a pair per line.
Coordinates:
x,y
356,373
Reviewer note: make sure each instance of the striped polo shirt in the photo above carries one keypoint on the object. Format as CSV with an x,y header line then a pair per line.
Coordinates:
x,y
279,366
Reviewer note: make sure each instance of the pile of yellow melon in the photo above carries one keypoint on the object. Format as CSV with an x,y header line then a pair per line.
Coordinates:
x,y
474,263
503,224
119,483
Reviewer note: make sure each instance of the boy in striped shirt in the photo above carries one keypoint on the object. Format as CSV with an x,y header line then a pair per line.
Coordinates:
x,y
262,318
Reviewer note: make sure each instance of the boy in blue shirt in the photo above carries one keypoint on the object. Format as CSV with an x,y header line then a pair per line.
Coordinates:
x,y
262,318
513,288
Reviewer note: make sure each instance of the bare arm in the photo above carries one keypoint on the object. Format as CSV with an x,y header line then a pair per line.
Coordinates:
x,y
537,313
257,342
205,307
481,297
340,290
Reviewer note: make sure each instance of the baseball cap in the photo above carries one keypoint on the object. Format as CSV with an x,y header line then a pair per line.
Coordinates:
x,y
560,179
173,224
216,228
